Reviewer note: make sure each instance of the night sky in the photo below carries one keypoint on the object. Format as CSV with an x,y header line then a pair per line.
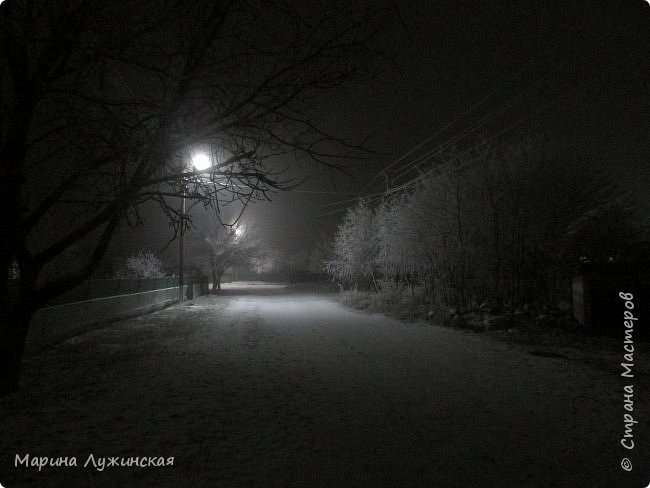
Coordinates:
x,y
453,72
575,73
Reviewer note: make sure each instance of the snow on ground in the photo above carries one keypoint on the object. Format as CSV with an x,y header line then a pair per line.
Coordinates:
x,y
266,387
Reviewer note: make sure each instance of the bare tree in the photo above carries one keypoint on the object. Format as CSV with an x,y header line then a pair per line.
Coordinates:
x,y
102,105
228,247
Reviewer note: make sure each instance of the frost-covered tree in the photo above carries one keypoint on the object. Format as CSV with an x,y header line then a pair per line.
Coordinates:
x,y
504,225
144,264
355,248
434,234
400,249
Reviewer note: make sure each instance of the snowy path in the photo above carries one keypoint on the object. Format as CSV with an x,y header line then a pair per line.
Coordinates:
x,y
265,388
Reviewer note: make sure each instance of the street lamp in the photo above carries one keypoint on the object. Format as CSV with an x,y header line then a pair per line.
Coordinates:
x,y
200,162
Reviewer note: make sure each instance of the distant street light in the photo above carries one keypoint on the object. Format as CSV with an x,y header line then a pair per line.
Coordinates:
x,y
200,162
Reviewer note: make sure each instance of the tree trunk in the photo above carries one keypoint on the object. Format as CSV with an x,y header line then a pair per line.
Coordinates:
x,y
16,310
218,282
13,335
216,279
374,282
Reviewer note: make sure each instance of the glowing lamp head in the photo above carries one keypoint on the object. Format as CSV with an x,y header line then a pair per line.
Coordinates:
x,y
201,161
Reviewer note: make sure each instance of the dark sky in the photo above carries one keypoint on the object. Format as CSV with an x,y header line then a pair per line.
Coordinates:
x,y
575,72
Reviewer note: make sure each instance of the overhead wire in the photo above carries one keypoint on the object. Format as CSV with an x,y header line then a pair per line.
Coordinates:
x,y
413,164
594,53
424,176
471,129
440,147
439,131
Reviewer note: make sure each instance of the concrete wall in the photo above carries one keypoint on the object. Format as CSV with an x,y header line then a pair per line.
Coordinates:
x,y
51,325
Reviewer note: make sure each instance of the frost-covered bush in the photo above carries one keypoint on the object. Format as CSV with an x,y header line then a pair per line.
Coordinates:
x,y
144,264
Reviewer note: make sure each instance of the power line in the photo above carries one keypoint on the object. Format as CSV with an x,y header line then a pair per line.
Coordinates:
x,y
405,186
471,129
439,131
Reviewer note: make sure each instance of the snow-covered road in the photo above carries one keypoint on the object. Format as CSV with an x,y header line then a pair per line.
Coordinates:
x,y
262,387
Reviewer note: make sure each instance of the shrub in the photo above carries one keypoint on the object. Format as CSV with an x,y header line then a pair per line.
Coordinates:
x,y
144,264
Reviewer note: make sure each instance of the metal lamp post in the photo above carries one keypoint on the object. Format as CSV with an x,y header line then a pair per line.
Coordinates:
x,y
181,294
200,161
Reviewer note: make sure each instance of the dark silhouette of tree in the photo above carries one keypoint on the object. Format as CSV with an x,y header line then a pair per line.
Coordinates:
x,y
228,247
103,105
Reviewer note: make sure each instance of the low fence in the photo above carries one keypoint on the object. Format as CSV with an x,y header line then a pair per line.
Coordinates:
x,y
66,317
100,288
